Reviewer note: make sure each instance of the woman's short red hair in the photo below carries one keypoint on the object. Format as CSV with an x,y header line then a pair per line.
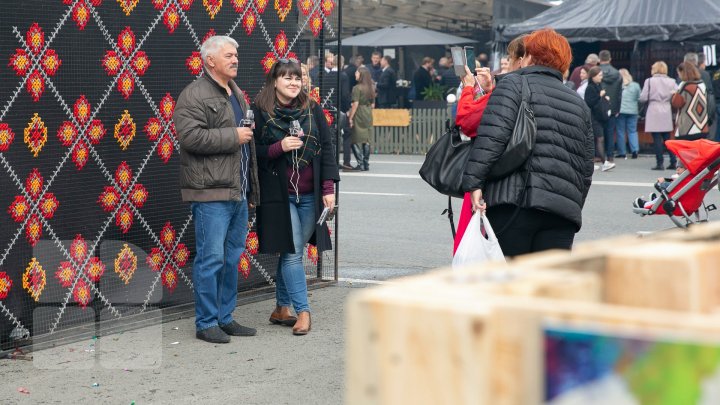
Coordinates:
x,y
548,48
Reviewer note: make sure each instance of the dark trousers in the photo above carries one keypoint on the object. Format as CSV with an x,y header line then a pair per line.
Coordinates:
x,y
659,139
610,126
531,230
346,147
599,131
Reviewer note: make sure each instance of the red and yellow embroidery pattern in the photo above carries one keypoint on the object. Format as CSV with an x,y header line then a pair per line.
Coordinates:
x,y
35,134
312,254
157,132
194,63
125,130
178,257
111,197
125,264
244,265
112,62
171,16
65,274
82,294
260,5
6,136
249,21
238,5
283,7
5,285
21,207
127,6
212,7
67,133
252,243
21,61
33,280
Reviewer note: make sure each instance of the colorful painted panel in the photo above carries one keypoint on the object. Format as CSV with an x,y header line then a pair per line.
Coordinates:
x,y
588,368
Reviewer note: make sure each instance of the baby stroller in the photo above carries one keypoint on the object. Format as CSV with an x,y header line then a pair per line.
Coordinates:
x,y
683,199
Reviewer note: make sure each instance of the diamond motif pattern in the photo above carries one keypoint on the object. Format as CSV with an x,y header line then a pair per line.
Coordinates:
x,y
118,72
36,59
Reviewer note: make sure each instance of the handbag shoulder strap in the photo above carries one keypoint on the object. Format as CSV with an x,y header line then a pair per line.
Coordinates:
x,y
525,90
449,212
526,96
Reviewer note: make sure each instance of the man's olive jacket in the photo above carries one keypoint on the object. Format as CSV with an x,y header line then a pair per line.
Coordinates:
x,y
210,152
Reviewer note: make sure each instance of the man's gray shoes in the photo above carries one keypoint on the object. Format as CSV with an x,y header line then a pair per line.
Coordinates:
x,y
235,329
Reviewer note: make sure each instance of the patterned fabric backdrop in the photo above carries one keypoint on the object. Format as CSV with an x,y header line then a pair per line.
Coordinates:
x,y
92,225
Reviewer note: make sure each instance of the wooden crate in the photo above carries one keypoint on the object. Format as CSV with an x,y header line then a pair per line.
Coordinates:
x,y
408,346
677,270
484,335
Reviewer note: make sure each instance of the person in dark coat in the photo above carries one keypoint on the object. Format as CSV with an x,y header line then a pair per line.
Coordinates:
x,y
297,175
422,78
374,66
599,104
386,87
539,206
612,83
351,68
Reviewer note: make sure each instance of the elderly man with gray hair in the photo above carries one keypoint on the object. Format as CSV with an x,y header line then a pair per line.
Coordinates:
x,y
218,176
591,60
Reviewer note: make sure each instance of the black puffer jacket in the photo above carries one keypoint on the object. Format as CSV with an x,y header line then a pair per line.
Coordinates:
x,y
561,166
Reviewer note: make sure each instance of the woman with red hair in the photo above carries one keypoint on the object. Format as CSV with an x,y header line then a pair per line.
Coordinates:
x,y
539,205
470,110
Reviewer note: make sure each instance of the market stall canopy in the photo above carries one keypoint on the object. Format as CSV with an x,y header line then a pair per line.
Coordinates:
x,y
402,35
447,15
626,20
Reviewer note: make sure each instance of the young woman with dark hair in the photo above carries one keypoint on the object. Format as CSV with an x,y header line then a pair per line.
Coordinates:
x,y
361,120
599,104
297,173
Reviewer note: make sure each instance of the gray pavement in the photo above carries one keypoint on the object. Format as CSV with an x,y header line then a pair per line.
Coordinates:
x,y
390,226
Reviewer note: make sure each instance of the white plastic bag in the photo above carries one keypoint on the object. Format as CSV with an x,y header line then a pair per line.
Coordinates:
x,y
474,247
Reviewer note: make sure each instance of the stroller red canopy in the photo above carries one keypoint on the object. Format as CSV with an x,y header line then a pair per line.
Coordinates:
x,y
695,155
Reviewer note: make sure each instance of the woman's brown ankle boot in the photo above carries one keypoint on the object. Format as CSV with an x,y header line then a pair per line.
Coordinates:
x,y
282,316
302,326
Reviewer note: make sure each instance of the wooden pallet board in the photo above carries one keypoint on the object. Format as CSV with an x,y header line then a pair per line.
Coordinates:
x,y
405,346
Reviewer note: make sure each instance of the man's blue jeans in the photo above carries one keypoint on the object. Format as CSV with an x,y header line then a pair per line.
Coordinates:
x,y
221,228
610,137
627,125
290,283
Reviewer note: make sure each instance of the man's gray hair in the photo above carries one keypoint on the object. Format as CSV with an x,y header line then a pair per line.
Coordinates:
x,y
213,44
691,57
592,59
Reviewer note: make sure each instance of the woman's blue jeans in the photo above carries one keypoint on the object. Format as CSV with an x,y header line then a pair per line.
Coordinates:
x,y
290,282
627,125
221,228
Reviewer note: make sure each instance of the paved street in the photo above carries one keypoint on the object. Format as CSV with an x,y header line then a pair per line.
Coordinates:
x,y
391,223
390,226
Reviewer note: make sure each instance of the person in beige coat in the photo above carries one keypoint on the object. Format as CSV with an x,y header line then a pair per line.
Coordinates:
x,y
657,92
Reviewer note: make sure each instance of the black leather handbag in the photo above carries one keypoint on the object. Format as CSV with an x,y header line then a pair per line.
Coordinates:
x,y
643,106
522,140
445,162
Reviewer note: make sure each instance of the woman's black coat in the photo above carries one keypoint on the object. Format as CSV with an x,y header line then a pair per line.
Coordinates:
x,y
561,165
274,225
599,106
